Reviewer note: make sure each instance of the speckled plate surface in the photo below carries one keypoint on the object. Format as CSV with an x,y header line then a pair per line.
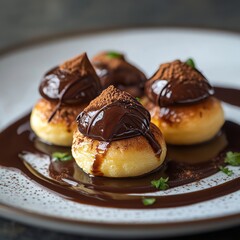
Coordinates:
x,y
216,53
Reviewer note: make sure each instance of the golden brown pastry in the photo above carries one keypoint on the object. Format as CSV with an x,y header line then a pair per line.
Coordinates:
x,y
115,137
65,90
182,104
113,69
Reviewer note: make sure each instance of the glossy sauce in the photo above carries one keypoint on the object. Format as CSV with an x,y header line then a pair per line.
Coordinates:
x,y
183,165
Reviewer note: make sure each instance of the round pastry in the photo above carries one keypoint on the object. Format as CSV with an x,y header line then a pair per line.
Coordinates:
x,y
115,137
65,90
182,104
113,69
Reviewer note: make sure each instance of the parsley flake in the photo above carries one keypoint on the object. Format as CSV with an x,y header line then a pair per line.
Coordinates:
x,y
138,99
148,201
232,158
161,183
226,170
62,156
114,55
190,63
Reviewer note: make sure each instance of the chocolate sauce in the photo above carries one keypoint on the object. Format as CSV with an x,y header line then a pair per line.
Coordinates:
x,y
177,83
74,82
113,69
99,157
120,119
183,165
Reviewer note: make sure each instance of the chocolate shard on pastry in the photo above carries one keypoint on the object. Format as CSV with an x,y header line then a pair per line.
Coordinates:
x,y
116,129
65,90
182,104
113,69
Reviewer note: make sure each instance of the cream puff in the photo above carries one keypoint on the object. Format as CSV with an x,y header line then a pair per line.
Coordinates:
x,y
115,137
66,90
113,69
182,104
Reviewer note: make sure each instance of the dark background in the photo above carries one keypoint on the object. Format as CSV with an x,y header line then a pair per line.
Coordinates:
x,y
26,21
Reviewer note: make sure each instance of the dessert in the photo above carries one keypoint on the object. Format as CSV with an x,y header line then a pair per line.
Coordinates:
x,y
115,137
113,69
65,90
182,104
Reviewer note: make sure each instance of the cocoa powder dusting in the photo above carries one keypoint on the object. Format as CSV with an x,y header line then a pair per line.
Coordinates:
x,y
108,96
177,70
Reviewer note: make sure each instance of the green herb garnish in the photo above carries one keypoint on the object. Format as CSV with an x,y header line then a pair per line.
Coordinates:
x,y
114,55
62,156
138,99
226,170
190,63
161,183
232,158
148,201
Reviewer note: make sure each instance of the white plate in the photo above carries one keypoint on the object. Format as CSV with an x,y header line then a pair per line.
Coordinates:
x,y
217,55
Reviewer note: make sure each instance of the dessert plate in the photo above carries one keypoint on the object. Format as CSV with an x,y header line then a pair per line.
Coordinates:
x,y
216,53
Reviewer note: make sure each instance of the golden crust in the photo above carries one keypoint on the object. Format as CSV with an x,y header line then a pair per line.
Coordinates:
x,y
188,124
60,130
124,158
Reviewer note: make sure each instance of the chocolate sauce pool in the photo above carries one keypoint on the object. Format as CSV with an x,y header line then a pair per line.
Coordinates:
x,y
183,165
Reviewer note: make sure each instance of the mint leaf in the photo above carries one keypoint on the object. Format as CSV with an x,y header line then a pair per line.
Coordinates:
x,y
62,156
114,55
232,158
226,170
161,183
148,201
190,63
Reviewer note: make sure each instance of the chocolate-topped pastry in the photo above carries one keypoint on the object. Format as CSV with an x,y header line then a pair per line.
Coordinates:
x,y
115,137
113,69
65,90
177,83
182,104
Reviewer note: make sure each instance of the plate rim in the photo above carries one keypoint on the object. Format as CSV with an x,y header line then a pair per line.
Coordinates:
x,y
62,224
147,229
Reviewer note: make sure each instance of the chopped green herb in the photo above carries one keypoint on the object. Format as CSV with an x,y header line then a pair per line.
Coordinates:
x,y
114,55
226,170
161,183
138,99
61,156
148,201
190,63
232,158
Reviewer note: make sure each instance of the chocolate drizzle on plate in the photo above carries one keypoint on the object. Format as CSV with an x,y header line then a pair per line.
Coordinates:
x,y
177,83
113,69
183,165
74,82
116,115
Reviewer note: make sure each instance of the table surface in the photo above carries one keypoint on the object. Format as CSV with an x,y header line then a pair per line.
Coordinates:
x,y
26,20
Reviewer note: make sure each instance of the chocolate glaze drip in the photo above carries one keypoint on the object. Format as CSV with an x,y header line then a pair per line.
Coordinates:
x,y
120,119
74,82
183,165
116,71
99,157
177,83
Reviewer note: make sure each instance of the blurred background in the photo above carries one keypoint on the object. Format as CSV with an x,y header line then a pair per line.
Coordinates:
x,y
28,20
